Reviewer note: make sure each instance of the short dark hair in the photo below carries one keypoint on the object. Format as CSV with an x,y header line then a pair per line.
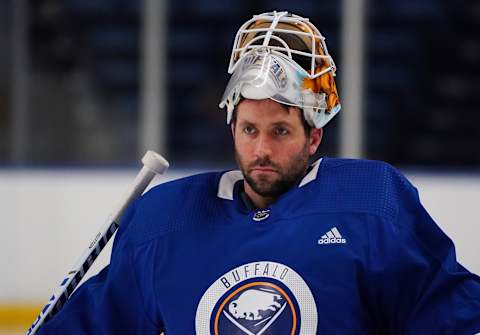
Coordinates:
x,y
306,126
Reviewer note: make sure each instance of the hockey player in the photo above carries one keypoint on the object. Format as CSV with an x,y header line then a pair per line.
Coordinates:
x,y
280,246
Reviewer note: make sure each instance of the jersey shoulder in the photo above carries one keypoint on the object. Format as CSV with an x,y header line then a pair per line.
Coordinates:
x,y
356,185
173,206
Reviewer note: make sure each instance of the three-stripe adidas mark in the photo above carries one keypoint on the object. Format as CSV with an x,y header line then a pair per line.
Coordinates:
x,y
332,236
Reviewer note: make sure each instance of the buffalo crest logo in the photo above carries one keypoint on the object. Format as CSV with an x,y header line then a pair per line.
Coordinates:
x,y
257,307
257,298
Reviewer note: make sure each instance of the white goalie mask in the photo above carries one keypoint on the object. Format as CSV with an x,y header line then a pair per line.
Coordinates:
x,y
283,57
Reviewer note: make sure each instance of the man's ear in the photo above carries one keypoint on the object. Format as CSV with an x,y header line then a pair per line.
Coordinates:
x,y
316,135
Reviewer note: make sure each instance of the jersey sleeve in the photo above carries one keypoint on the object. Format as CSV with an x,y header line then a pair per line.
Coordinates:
x,y
113,301
416,285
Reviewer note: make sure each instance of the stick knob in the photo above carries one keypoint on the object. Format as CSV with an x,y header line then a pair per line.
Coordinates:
x,y
155,162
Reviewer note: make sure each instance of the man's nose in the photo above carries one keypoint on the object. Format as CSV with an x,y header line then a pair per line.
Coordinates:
x,y
263,146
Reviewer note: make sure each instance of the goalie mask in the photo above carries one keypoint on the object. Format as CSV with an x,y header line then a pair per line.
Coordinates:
x,y
283,57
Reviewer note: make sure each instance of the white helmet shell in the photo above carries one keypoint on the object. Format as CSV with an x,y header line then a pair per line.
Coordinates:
x,y
265,64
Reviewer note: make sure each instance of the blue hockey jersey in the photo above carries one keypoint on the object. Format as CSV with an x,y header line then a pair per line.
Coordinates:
x,y
350,250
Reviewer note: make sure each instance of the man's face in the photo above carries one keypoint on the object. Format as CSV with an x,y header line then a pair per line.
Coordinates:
x,y
271,146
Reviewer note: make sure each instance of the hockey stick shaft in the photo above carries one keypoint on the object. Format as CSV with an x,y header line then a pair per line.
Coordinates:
x,y
153,164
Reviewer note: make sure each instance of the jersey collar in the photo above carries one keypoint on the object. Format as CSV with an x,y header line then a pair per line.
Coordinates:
x,y
228,180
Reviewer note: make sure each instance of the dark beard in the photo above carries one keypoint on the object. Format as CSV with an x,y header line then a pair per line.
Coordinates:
x,y
289,176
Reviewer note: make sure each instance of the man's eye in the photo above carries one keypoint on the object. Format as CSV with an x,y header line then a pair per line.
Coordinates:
x,y
248,130
281,131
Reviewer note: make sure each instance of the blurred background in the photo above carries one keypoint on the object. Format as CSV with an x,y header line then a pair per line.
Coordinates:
x,y
86,86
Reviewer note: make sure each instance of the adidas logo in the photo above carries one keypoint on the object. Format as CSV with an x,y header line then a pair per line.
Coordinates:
x,y
332,236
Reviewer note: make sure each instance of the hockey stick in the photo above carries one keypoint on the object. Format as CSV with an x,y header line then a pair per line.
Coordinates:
x,y
153,164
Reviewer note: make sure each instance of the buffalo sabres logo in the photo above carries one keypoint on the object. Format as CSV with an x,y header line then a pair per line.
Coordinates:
x,y
256,307
257,298
254,303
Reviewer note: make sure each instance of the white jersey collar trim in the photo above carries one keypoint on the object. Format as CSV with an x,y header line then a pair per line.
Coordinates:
x,y
228,180
312,175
